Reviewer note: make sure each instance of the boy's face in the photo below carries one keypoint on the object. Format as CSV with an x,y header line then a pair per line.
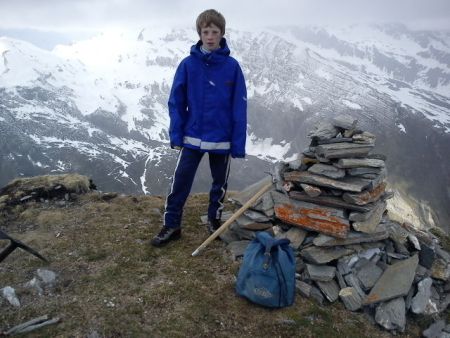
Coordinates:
x,y
211,36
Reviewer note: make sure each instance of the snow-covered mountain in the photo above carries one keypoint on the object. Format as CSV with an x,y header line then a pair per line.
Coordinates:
x,y
98,106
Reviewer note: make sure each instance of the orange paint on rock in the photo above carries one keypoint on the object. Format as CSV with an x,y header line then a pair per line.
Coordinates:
x,y
316,219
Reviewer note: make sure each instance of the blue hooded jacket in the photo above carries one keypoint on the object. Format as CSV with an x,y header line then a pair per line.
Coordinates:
x,y
208,103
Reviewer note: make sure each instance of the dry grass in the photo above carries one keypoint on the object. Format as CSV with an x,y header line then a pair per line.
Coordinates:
x,y
73,182
101,254
21,187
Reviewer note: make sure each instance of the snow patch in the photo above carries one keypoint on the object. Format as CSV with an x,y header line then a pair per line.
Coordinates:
x,y
265,149
323,74
307,100
401,127
297,103
415,100
37,163
61,166
351,104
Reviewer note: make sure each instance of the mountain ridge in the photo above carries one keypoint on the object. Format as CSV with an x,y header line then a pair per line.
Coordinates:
x,y
99,105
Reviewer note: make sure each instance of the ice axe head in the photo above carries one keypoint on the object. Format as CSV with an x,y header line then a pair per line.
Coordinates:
x,y
14,243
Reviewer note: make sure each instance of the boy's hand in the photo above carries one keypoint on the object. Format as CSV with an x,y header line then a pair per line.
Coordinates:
x,y
233,155
175,147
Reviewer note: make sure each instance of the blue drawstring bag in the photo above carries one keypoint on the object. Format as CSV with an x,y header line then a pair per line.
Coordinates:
x,y
267,273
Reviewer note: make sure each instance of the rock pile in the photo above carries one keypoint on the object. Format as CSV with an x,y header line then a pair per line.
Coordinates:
x,y
336,171
331,204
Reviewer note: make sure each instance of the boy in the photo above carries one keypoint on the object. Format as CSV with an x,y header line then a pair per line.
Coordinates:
x,y
208,113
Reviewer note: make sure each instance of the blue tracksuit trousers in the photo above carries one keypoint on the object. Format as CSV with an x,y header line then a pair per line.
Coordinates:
x,y
186,167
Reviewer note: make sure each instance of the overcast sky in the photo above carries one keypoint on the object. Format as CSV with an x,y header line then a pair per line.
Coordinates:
x,y
76,16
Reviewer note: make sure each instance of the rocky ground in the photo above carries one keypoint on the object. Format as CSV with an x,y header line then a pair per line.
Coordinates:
x,y
111,283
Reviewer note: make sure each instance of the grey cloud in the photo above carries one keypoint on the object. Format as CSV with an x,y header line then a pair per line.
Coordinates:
x,y
95,14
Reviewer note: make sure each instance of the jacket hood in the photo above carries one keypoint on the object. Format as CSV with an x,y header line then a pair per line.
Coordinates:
x,y
215,56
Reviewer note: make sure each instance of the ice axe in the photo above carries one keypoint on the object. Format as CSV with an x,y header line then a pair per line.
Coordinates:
x,y
238,213
14,243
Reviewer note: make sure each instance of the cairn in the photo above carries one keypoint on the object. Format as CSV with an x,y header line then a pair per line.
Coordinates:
x,y
331,204
337,173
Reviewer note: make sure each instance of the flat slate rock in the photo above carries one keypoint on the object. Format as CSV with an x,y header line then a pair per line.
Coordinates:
x,y
245,195
391,315
330,289
358,216
396,232
310,216
257,226
340,280
354,282
395,281
303,288
348,163
324,255
408,298
246,222
229,236
321,273
243,220
237,249
331,201
266,204
342,150
344,121
335,140
310,190
365,197
364,138
353,237
295,164
351,298
242,233
295,235
352,184
435,330
256,216
375,181
368,274
363,171
327,170
344,265
323,130
309,291
422,303
371,224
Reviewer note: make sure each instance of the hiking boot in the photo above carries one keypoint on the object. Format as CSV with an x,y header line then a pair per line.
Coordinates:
x,y
165,236
213,225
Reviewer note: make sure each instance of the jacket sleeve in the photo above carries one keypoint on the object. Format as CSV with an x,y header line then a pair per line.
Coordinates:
x,y
178,106
239,133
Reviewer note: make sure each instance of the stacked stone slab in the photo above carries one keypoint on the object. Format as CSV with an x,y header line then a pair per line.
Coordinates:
x,y
339,173
331,204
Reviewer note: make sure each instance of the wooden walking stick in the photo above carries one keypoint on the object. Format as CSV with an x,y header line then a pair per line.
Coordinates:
x,y
238,213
